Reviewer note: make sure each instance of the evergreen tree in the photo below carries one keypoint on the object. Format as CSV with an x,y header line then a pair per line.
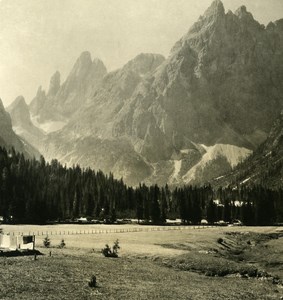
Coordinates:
x,y
154,204
163,206
211,212
38,191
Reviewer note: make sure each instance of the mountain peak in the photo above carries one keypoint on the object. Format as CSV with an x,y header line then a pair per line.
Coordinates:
x,y
212,18
98,64
5,120
216,9
20,100
86,67
242,13
7,136
1,105
19,103
83,79
85,57
97,61
217,4
242,9
54,84
40,91
38,101
82,65
21,122
19,111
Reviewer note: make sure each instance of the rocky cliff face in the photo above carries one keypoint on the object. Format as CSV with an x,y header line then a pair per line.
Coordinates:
x,y
19,112
220,77
38,102
213,87
22,123
182,119
9,139
63,100
54,85
265,166
91,137
82,81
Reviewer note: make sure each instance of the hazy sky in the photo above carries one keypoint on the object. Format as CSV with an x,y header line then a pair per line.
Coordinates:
x,y
38,37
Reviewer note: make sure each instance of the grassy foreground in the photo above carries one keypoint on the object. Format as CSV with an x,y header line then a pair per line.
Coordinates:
x,y
153,265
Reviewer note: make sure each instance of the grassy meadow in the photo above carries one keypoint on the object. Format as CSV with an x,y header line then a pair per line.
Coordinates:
x,y
192,263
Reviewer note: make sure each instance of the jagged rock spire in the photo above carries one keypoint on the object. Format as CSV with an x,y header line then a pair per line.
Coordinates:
x,y
54,85
242,13
19,111
1,105
215,9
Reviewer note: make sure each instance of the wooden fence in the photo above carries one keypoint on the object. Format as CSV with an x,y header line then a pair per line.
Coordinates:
x,y
105,231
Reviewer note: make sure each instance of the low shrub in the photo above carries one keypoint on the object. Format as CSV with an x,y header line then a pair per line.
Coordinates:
x,y
92,282
217,271
108,252
248,271
46,242
62,244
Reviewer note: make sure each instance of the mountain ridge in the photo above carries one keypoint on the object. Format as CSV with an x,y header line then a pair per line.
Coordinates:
x,y
63,100
8,137
264,167
22,124
139,120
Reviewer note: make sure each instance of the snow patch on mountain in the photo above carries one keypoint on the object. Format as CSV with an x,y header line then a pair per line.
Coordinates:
x,y
49,126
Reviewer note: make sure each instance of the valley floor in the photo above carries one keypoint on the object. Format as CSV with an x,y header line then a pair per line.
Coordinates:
x,y
193,263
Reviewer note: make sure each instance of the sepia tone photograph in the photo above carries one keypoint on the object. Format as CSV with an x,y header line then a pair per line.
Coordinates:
x,y
141,149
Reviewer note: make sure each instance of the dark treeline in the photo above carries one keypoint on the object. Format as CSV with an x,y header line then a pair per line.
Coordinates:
x,y
34,191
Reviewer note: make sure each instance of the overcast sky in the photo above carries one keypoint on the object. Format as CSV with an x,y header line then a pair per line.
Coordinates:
x,y
38,37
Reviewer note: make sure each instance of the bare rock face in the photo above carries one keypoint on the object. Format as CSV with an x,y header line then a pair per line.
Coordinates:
x,y
22,123
144,63
99,115
54,85
38,102
81,82
96,138
212,89
264,166
216,83
19,111
155,119
9,139
7,136
63,100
